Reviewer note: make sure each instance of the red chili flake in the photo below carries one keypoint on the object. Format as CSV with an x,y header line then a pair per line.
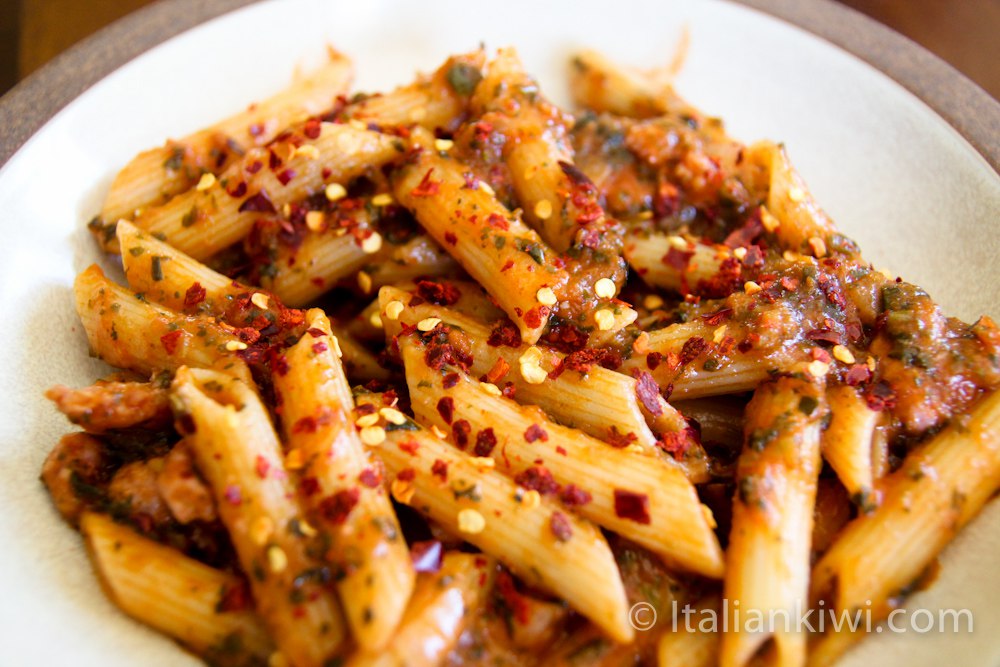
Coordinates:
x,y
537,478
438,355
754,259
825,336
819,354
407,475
171,340
790,283
337,508
725,281
582,361
534,317
279,364
486,440
560,527
509,390
471,182
450,238
366,409
718,317
370,477
257,203
440,294
574,496
233,495
653,360
692,349
316,332
309,486
262,465
238,191
745,235
647,391
286,176
519,608
858,374
460,431
620,440
497,221
678,259
254,167
450,380
319,346
632,506
312,128
498,371
305,425
235,598
507,266
560,450
440,469
410,447
504,333
426,187
880,396
535,432
426,556
677,442
446,408
194,295
273,161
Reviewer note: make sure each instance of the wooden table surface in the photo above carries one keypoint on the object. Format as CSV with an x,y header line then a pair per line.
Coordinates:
x,y
962,32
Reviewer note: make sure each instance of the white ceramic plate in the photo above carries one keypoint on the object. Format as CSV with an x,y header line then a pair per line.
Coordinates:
x,y
891,172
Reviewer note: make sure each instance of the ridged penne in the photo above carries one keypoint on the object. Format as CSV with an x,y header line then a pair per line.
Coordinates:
x,y
442,604
939,488
126,331
204,220
177,595
492,244
238,453
642,498
346,500
599,402
437,102
687,645
690,263
847,442
540,542
154,176
558,200
767,561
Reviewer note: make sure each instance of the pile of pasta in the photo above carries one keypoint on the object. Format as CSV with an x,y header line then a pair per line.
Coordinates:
x,y
452,376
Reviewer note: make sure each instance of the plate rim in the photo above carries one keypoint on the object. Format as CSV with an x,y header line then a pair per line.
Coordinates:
x,y
965,106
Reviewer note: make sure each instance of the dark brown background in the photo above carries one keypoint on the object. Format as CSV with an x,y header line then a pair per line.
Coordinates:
x,y
962,32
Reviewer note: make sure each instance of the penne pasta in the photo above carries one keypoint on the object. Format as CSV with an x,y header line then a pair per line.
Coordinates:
x,y
940,487
646,500
437,102
203,221
688,645
126,331
532,535
177,595
442,604
595,400
154,176
690,264
486,239
340,486
767,561
847,443
238,453
559,201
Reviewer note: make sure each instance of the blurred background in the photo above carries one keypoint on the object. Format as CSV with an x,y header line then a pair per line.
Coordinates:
x,y
966,33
